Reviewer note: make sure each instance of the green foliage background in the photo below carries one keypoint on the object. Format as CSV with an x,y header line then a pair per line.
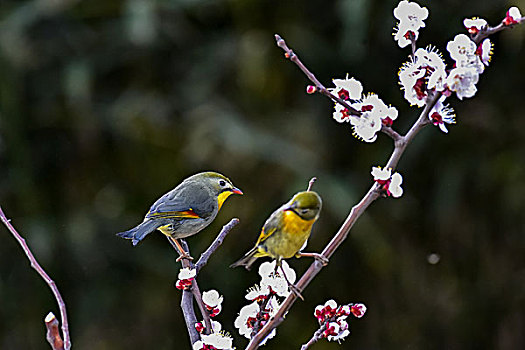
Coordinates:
x,y
106,105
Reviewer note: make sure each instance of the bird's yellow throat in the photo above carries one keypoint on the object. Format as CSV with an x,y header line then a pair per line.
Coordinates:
x,y
222,197
294,224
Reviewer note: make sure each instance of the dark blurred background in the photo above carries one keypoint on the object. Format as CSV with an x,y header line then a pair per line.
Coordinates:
x,y
106,105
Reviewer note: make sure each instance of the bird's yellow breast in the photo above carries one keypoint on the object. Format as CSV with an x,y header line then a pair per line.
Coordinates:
x,y
286,241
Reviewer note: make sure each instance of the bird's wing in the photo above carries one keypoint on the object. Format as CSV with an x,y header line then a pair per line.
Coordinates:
x,y
191,201
270,226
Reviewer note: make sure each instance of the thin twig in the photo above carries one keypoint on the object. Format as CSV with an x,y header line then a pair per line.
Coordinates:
x,y
487,31
320,87
311,183
315,338
52,285
203,259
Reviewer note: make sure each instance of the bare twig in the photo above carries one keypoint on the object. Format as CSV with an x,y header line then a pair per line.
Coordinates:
x,y
315,338
203,260
311,183
35,265
288,53
53,334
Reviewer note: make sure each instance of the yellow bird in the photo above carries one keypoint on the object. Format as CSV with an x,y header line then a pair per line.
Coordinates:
x,y
286,231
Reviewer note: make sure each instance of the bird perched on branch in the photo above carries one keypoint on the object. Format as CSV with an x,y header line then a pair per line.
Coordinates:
x,y
185,210
286,231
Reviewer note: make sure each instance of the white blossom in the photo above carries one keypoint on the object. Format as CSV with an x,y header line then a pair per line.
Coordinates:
x,y
273,280
513,16
484,51
348,88
395,186
442,114
341,114
402,35
411,18
463,80
212,298
187,273
381,174
410,13
474,25
342,331
463,51
217,340
391,183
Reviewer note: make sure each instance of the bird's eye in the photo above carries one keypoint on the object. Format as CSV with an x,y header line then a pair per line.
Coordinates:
x,y
222,183
304,211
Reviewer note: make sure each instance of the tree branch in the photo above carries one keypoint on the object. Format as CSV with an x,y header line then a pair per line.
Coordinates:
x,y
187,310
203,259
188,296
36,266
288,53
315,338
488,31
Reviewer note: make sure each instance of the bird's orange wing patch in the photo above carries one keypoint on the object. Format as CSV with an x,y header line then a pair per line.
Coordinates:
x,y
186,214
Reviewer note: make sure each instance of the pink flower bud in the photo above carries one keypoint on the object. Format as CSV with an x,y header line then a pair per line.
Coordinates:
x,y
310,89
199,327
358,310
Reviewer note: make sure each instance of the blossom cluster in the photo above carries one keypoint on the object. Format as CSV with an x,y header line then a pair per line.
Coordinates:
x,y
373,112
426,74
332,319
391,183
265,299
218,339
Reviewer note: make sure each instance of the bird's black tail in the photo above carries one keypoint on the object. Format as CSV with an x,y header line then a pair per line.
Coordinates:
x,y
247,260
136,234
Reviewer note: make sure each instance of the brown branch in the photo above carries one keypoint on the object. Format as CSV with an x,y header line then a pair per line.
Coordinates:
x,y
36,266
186,303
387,130
288,53
487,31
203,259
53,334
190,317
